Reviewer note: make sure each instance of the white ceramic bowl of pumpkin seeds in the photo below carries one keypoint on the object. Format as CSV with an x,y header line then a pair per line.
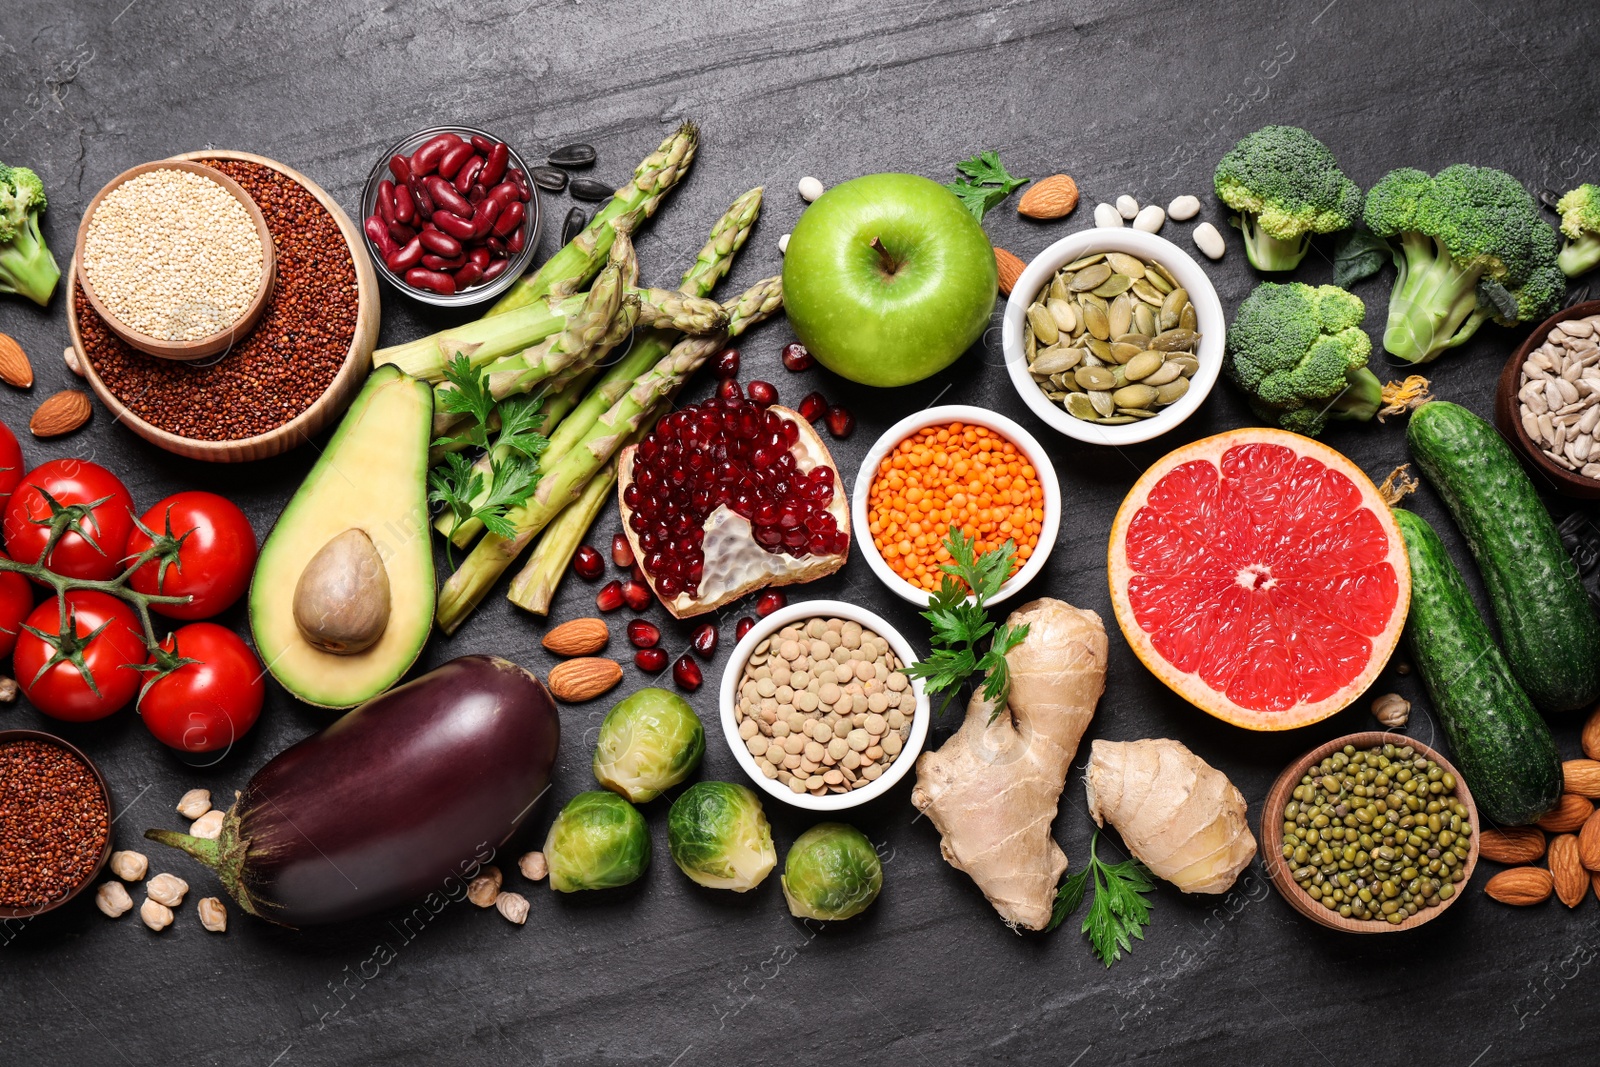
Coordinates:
x,y
1113,336
822,636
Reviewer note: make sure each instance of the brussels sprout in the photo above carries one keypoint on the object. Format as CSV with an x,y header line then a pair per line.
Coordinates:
x,y
831,872
599,841
649,742
718,836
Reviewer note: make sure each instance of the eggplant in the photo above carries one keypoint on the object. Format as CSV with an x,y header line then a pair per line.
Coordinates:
x,y
404,797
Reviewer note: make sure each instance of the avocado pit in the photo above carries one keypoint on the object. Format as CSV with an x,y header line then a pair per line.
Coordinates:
x,y
341,601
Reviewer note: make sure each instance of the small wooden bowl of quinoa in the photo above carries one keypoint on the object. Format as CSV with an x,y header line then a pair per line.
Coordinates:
x,y
177,259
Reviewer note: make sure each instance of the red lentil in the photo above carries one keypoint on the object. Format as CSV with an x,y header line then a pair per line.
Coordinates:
x,y
53,822
289,359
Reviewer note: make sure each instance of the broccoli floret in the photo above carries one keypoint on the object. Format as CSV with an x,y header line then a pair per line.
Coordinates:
x,y
1580,222
26,265
1286,186
1469,247
1301,354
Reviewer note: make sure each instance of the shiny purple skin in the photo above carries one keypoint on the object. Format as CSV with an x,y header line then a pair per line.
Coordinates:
x,y
400,798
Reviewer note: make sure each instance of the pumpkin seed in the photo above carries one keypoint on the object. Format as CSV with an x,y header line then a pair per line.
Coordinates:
x,y
1123,353
1172,391
1120,315
1167,372
1123,263
1100,349
1115,285
1148,293
1119,378
1138,413
1144,319
1164,274
1089,278
1176,339
1079,406
1094,377
1187,319
1030,347
1057,396
1058,289
1134,396
1170,308
1189,363
1137,340
1142,365
1066,318
1079,264
1158,280
1056,359
1095,319
1103,404
1115,420
1044,327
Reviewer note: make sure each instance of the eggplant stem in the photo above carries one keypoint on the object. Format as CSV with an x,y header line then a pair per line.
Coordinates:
x,y
225,856
200,848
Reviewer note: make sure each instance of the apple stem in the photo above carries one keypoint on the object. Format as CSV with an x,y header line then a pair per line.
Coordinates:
x,y
888,261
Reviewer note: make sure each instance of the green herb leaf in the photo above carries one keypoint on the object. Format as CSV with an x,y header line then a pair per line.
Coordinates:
x,y
1118,911
984,183
521,426
1358,254
959,624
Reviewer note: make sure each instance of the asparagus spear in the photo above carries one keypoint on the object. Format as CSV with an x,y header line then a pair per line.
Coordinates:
x,y
566,271
535,586
564,480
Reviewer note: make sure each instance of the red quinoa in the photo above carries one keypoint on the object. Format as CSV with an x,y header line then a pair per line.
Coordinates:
x,y
289,359
53,822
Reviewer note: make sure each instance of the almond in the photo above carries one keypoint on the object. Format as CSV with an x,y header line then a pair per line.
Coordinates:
x,y
1571,881
1594,881
1589,843
1010,269
1049,198
1581,776
1591,735
1512,845
1571,812
14,366
577,680
578,637
60,413
1520,886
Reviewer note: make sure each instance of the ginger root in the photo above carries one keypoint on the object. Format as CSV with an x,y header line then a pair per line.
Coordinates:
x,y
1177,813
992,789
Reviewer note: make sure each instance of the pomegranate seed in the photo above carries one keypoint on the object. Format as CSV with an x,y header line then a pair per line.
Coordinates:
x,y
728,363
796,358
764,394
728,389
840,421
643,634
704,639
686,672
587,563
637,594
638,573
813,407
742,627
621,551
610,597
651,660
769,602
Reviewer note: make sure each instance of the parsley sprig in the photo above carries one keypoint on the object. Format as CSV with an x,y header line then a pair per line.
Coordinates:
x,y
960,624
984,183
1117,912
466,490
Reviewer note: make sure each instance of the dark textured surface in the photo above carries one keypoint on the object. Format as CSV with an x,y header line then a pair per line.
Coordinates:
x,y
1126,98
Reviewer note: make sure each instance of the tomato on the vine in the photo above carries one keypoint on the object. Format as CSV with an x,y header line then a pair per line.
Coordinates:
x,y
89,671
91,504
210,703
11,467
16,601
207,551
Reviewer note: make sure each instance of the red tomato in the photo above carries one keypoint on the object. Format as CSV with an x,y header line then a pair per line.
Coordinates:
x,y
208,551
209,704
16,601
75,484
11,467
60,689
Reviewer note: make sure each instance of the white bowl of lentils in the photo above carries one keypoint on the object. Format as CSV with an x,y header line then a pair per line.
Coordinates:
x,y
823,756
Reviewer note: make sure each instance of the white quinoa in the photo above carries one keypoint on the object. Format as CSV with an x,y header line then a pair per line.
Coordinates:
x,y
173,255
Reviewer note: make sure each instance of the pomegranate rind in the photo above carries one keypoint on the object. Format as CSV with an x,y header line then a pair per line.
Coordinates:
x,y
1190,684
775,569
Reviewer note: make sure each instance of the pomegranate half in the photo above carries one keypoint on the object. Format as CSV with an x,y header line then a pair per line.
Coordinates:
x,y
727,497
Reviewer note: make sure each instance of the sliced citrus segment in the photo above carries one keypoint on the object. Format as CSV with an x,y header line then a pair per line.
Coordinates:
x,y
1259,575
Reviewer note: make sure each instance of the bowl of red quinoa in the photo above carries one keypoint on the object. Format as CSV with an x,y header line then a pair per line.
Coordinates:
x,y
55,823
295,372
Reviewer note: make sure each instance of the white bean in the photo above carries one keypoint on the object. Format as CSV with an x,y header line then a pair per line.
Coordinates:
x,y
1149,219
1209,241
1106,216
810,189
1127,206
1183,208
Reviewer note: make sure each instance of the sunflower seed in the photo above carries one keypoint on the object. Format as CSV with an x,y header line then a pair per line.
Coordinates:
x,y
551,178
589,189
573,155
573,224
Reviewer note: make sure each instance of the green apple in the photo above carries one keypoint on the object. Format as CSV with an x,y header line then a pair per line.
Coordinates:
x,y
888,279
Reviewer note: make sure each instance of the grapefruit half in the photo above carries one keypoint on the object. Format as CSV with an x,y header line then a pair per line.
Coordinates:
x,y
1259,575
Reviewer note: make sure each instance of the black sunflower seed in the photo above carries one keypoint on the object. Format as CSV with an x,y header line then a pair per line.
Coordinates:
x,y
589,189
551,178
576,220
573,155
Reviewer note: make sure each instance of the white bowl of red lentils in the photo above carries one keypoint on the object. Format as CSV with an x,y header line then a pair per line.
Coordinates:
x,y
954,465
818,709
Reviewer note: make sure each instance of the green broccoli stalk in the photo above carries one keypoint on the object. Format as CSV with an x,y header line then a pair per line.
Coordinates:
x,y
1286,186
1301,355
1469,247
1580,222
26,265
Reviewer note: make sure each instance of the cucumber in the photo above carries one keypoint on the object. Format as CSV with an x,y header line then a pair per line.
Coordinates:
x,y
1501,745
1547,626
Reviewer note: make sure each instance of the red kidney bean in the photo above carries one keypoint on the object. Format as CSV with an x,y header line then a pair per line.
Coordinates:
x,y
379,234
514,242
401,169
509,219
495,268
483,218
403,259
468,275
454,225
431,280
405,208
506,193
454,159
444,262
496,245
494,167
480,256
520,180
401,233
425,160
445,196
419,192
439,242
386,200
468,174
482,143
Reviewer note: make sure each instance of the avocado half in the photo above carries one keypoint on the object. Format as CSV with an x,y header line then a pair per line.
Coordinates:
x,y
372,477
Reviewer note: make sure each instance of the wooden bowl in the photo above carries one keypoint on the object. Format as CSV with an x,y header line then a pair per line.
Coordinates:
x,y
12,912
202,347
1272,836
327,407
1545,471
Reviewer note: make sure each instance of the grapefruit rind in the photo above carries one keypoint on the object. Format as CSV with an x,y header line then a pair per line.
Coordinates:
x,y
1189,683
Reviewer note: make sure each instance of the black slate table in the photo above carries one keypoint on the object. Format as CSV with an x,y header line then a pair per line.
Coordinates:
x,y
1127,98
